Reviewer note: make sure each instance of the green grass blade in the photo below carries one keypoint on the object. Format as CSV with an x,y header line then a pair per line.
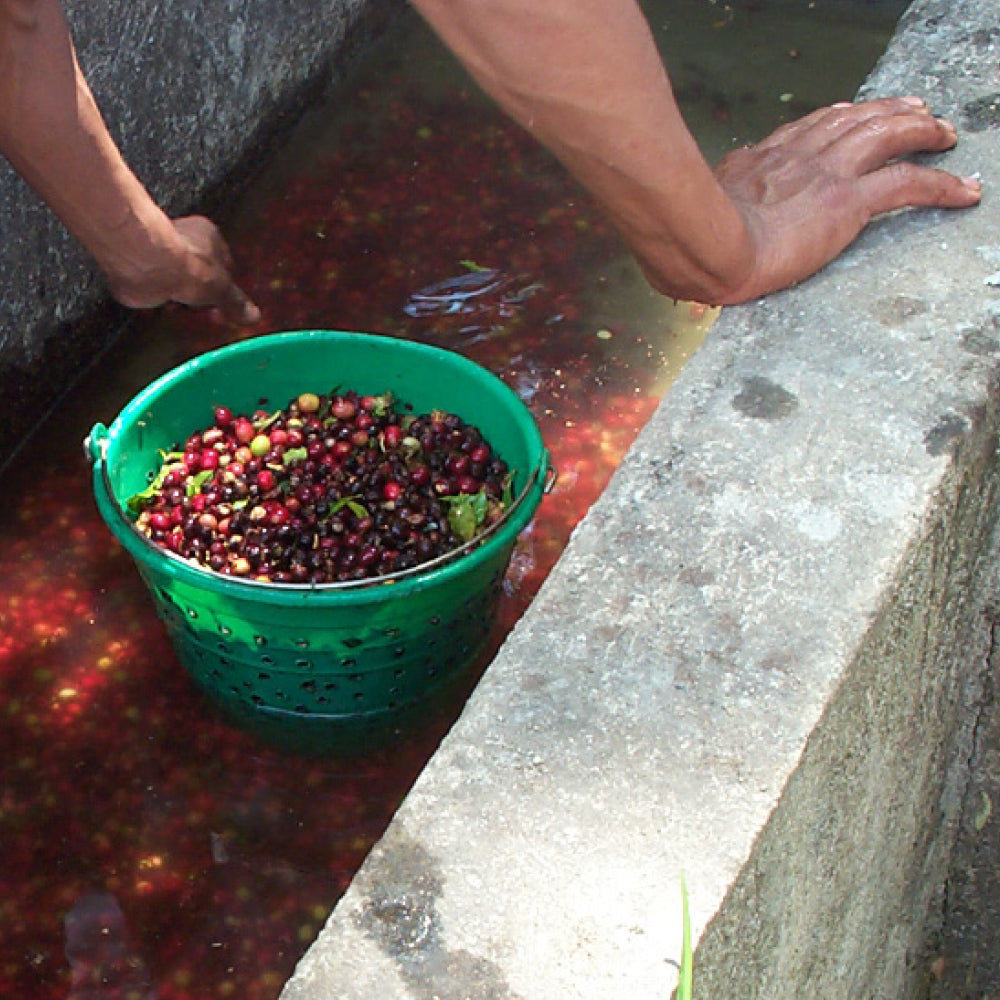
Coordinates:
x,y
685,978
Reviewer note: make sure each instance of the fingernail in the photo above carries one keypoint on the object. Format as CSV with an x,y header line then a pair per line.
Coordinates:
x,y
972,183
915,102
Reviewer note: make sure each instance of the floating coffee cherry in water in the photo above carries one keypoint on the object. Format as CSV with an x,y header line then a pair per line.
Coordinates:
x,y
331,489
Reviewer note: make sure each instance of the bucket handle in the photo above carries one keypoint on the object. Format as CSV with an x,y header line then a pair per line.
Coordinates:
x,y
95,444
551,476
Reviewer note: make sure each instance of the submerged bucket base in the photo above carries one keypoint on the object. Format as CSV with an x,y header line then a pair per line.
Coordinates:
x,y
346,736
363,691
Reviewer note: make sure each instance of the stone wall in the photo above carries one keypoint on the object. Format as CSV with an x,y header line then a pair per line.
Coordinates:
x,y
190,91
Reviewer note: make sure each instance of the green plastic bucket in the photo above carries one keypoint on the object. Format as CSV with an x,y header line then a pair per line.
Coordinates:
x,y
310,666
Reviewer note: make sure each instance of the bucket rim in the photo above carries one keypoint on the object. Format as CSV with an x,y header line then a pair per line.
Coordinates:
x,y
260,341
155,558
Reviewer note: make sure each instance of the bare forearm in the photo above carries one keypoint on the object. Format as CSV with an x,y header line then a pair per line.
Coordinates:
x,y
585,77
52,133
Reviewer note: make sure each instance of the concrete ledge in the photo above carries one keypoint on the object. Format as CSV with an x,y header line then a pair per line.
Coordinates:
x,y
758,660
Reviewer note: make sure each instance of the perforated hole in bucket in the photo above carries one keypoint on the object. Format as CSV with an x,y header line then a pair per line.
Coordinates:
x,y
302,643
358,680
167,603
260,641
304,664
192,612
225,630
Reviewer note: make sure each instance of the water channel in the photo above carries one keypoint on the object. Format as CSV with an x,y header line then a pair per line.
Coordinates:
x,y
149,849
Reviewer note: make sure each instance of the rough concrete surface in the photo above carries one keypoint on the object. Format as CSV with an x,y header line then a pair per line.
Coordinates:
x,y
966,963
762,659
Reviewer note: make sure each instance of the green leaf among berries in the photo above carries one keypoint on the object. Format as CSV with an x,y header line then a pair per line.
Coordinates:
x,y
382,405
468,512
351,503
196,483
171,460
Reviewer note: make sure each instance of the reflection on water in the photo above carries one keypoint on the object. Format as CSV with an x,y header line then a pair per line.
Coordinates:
x,y
148,848
102,962
484,297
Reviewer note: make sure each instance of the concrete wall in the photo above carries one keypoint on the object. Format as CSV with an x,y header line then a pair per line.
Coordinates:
x,y
189,90
760,660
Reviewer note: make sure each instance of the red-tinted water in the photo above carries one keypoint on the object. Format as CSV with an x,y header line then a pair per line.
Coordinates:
x,y
186,858
149,849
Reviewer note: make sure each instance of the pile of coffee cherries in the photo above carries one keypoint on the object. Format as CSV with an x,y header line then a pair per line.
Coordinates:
x,y
330,489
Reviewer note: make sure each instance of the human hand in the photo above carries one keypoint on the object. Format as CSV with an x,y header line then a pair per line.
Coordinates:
x,y
194,269
807,190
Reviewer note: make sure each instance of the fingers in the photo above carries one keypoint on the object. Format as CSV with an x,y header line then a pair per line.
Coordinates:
x,y
237,307
865,141
210,283
905,185
862,145
858,137
874,141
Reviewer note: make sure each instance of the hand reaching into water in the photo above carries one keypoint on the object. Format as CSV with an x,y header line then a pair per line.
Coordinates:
x,y
194,269
812,186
